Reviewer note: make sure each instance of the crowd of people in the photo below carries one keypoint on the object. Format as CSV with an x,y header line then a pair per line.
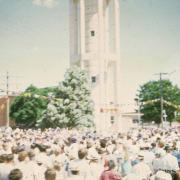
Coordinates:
x,y
60,154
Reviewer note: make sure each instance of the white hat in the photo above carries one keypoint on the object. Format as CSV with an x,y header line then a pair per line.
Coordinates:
x,y
141,154
161,175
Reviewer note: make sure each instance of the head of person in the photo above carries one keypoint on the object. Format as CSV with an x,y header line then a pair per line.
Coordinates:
x,y
15,174
9,158
140,156
167,148
103,143
111,164
23,155
57,166
3,158
153,145
50,174
161,144
82,153
31,155
89,144
5,146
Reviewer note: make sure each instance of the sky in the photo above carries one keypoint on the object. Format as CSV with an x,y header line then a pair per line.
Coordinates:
x,y
34,42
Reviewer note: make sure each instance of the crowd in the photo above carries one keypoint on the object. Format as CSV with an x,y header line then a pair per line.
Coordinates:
x,y
60,154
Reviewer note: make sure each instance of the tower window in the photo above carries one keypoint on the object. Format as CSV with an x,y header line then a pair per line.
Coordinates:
x,y
112,119
92,33
93,79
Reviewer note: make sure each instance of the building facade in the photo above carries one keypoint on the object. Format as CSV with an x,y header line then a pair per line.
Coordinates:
x,y
5,102
95,47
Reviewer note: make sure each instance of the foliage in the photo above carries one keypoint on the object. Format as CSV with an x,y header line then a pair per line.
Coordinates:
x,y
152,109
27,108
177,117
71,105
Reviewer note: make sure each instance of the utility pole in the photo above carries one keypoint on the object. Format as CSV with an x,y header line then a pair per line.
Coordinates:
x,y
161,94
7,94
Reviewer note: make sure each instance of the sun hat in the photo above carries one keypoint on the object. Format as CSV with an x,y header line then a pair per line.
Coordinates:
x,y
161,175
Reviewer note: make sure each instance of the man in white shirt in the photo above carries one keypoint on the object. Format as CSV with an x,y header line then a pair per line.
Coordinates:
x,y
142,169
171,162
6,167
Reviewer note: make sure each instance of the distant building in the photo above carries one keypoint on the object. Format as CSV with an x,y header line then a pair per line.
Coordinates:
x,y
4,111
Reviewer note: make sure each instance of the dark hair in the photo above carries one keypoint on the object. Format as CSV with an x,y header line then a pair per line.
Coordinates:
x,y
167,148
82,153
9,157
2,158
15,174
50,174
153,145
74,172
103,143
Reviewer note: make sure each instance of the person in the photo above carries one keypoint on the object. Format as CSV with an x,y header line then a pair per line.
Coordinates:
x,y
82,163
109,173
6,167
74,172
170,162
95,165
126,167
158,162
24,166
141,168
35,168
15,174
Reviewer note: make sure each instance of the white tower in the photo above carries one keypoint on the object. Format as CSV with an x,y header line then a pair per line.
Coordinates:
x,y
95,47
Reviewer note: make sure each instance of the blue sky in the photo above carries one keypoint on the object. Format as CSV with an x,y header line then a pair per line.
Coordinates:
x,y
34,42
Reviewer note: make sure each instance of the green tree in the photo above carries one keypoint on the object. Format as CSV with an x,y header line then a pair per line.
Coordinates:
x,y
27,108
149,97
71,105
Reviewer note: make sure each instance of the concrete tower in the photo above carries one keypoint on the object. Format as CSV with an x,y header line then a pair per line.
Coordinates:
x,y
95,47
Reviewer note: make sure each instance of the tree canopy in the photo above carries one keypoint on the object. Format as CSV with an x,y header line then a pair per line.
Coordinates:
x,y
71,105
149,97
27,108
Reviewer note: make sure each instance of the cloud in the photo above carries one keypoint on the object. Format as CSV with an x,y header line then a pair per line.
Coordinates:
x,y
45,3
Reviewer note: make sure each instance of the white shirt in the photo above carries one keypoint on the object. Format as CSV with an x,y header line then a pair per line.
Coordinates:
x,y
158,164
170,162
142,170
5,169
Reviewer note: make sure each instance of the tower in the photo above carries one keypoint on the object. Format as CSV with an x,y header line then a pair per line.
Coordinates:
x,y
95,47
